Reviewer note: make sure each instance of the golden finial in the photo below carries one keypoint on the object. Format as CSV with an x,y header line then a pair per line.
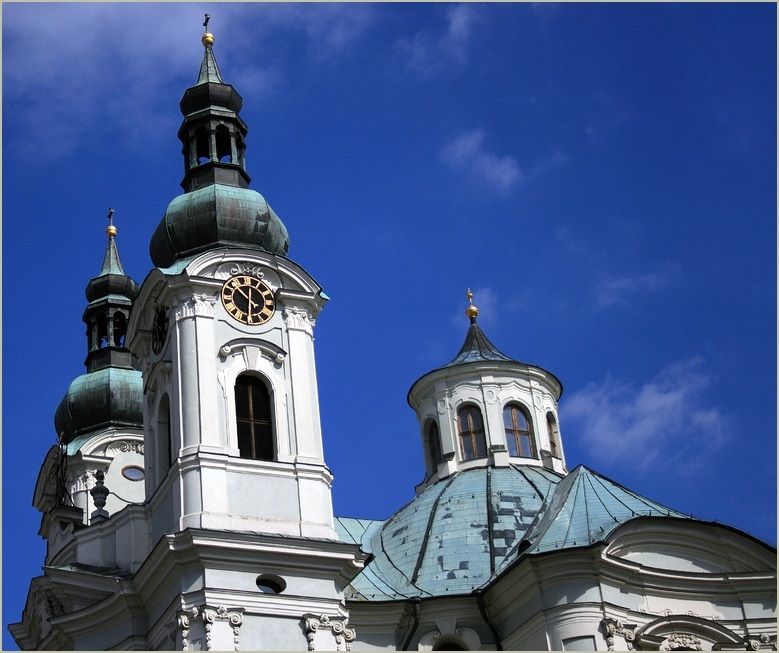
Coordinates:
x,y
111,231
208,38
471,312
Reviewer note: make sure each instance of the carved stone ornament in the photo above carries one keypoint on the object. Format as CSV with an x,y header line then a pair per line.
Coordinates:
x,y
129,445
50,604
684,641
251,269
667,613
343,635
209,616
194,304
765,641
299,318
613,628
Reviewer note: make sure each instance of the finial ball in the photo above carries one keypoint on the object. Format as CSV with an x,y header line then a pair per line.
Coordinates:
x,y
471,312
208,39
111,231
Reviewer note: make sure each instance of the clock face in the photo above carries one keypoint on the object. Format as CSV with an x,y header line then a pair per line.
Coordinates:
x,y
159,329
248,300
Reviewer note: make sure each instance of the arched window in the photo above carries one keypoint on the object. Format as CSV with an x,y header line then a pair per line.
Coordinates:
x,y
433,446
519,431
202,146
551,428
120,328
253,417
223,146
470,426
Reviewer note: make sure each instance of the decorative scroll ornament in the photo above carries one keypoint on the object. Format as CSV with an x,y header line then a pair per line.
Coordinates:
x,y
299,318
683,641
343,635
667,613
209,616
49,602
614,627
247,268
136,447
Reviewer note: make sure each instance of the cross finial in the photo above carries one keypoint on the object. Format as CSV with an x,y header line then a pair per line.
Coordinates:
x,y
205,24
471,312
111,231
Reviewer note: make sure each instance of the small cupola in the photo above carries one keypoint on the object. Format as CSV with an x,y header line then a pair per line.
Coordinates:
x,y
217,209
485,409
110,392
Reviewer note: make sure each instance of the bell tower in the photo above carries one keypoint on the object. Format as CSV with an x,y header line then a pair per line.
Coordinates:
x,y
223,327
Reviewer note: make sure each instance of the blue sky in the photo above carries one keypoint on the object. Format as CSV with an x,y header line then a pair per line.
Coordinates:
x,y
602,176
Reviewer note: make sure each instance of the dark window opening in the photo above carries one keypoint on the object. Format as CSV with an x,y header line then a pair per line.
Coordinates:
x,y
120,329
253,417
202,146
471,429
102,331
434,446
224,150
270,584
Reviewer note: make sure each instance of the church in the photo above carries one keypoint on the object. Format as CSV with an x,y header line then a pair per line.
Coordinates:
x,y
187,504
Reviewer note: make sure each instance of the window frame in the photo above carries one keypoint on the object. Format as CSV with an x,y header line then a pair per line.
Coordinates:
x,y
269,453
516,435
474,436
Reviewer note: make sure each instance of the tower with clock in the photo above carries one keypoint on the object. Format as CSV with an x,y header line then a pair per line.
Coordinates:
x,y
223,327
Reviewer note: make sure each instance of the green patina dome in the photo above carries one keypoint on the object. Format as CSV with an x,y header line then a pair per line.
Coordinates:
x,y
107,397
215,216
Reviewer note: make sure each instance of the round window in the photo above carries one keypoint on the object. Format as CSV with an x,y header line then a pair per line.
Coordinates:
x,y
133,473
271,584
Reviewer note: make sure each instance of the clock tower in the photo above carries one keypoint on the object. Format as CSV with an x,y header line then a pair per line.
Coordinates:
x,y
238,491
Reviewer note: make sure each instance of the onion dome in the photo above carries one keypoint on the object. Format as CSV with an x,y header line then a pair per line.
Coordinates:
x,y
218,209
217,216
111,392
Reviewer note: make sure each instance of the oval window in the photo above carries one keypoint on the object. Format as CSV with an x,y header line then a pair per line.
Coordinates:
x,y
133,473
270,584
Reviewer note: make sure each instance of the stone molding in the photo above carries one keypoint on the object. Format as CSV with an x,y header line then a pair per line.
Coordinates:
x,y
342,633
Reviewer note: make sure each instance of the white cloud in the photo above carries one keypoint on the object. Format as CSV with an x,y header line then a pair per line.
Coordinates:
x,y
616,290
70,68
428,55
467,154
665,420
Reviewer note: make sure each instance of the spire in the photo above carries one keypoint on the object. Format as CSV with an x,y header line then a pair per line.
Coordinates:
x,y
110,392
209,71
112,279
476,346
111,262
